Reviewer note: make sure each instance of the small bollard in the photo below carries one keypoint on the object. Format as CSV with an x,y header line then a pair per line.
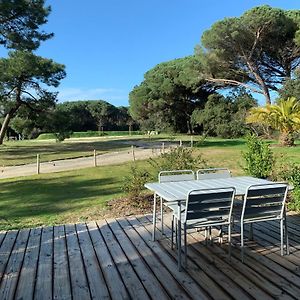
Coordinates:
x,y
163,147
192,141
180,143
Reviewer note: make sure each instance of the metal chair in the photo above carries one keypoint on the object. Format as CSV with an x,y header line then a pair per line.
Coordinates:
x,y
213,173
206,208
173,176
265,203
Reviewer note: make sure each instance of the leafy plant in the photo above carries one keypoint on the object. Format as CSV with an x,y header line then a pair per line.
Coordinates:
x,y
134,183
179,158
291,173
259,158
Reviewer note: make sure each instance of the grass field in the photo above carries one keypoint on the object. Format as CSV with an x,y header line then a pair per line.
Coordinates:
x,y
80,195
24,152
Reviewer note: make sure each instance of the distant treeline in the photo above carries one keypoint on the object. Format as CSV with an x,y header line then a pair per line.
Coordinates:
x,y
73,116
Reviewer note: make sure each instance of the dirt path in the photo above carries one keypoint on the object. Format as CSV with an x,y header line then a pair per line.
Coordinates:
x,y
78,163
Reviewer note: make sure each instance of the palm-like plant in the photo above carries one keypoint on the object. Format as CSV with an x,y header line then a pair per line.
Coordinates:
x,y
284,116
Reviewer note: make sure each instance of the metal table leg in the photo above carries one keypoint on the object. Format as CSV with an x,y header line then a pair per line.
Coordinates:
x,y
154,217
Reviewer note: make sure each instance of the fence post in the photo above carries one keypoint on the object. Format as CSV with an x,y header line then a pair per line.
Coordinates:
x,y
163,147
180,143
95,158
37,164
133,154
192,142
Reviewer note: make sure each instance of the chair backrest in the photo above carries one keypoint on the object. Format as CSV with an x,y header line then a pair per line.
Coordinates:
x,y
213,173
176,175
264,201
210,205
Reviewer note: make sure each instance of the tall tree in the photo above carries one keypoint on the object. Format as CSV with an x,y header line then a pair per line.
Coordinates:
x,y
20,22
258,50
24,77
169,94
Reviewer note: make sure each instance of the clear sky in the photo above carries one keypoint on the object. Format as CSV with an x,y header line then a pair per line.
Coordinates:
x,y
108,45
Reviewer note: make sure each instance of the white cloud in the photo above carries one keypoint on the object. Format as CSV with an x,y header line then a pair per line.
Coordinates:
x,y
114,96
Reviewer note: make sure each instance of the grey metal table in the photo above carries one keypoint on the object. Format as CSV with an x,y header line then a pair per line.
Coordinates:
x,y
177,192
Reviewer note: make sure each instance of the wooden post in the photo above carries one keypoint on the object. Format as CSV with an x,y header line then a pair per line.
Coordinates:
x,y
37,164
133,154
95,158
192,142
163,147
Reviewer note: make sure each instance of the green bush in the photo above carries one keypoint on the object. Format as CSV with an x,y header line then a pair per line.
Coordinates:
x,y
258,158
291,173
179,158
133,184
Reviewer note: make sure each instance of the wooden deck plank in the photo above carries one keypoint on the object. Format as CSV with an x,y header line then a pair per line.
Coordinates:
x,y
79,283
228,285
95,277
258,284
43,286
12,271
209,285
6,249
130,279
117,259
191,287
150,282
26,284
163,275
61,275
113,279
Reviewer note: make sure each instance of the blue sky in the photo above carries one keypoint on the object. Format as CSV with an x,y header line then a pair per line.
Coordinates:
x,y
108,45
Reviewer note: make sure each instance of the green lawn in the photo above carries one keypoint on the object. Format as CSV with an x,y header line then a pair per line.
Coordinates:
x,y
80,195
58,197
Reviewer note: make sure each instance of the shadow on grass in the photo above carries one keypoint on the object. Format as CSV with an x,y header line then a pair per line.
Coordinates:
x,y
48,197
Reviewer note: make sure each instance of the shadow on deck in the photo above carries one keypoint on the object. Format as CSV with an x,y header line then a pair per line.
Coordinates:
x,y
117,259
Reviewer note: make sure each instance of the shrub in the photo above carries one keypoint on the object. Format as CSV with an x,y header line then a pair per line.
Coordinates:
x,y
259,158
179,158
291,173
134,183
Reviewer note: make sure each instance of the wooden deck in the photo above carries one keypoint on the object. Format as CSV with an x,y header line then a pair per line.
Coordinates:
x,y
117,259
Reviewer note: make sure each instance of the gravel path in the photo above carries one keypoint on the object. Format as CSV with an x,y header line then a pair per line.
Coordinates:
x,y
78,163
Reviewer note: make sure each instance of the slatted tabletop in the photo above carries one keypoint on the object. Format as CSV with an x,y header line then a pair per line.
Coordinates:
x,y
116,259
174,191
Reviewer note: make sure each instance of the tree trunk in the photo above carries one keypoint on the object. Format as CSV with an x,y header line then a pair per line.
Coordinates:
x,y
4,127
286,139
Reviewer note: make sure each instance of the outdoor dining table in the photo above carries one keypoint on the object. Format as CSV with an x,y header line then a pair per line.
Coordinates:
x,y
177,192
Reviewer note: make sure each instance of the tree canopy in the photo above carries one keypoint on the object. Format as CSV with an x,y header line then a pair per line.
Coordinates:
x,y
20,22
169,94
24,78
258,50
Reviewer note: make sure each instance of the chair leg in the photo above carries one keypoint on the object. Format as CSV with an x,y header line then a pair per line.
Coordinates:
x,y
251,232
221,235
281,237
229,241
179,244
185,245
154,217
205,234
242,242
210,237
172,233
176,235
162,215
286,236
